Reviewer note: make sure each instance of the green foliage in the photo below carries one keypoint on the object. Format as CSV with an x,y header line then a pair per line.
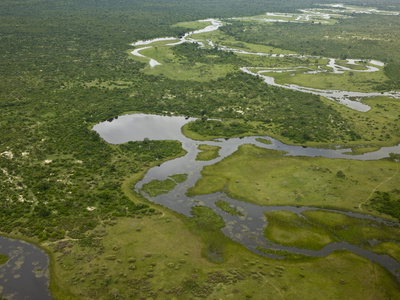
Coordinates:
x,y
206,219
158,187
227,208
264,141
208,225
340,174
387,203
148,150
293,230
193,54
219,128
179,178
208,152
3,259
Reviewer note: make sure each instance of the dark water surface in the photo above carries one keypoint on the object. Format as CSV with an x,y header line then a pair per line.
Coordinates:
x,y
25,275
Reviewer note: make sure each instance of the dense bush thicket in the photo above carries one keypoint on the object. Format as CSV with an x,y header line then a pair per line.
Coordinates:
x,y
387,203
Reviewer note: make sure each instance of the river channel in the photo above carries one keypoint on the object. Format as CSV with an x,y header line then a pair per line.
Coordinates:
x,y
348,98
247,229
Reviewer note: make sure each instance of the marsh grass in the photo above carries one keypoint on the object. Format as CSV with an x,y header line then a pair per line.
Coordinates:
x,y
289,229
266,177
264,141
167,256
208,152
3,259
390,248
225,206
353,230
158,187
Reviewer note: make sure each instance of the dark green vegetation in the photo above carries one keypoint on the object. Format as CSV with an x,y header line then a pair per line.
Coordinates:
x,y
214,128
387,203
3,259
158,187
65,67
264,141
225,206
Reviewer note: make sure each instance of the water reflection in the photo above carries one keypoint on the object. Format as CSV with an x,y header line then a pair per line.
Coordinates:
x,y
25,275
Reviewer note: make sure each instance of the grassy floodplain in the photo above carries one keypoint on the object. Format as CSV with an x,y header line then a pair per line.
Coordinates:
x,y
157,187
315,229
139,257
349,81
267,177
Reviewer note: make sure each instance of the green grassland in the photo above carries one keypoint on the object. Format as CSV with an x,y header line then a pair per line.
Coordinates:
x,y
353,230
137,258
208,152
315,229
289,229
266,177
192,25
390,248
349,81
158,187
225,206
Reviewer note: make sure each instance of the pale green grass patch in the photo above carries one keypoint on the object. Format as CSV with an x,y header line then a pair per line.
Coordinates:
x,y
378,127
289,229
158,187
390,248
192,25
353,230
349,81
208,152
179,178
225,206
266,177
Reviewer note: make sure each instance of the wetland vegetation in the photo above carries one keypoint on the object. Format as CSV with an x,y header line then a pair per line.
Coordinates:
x,y
67,66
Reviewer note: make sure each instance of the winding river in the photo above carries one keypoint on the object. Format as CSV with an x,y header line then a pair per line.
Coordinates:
x,y
247,229
347,98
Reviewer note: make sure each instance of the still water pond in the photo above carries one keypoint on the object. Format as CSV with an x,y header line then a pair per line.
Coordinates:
x,y
25,274
246,229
